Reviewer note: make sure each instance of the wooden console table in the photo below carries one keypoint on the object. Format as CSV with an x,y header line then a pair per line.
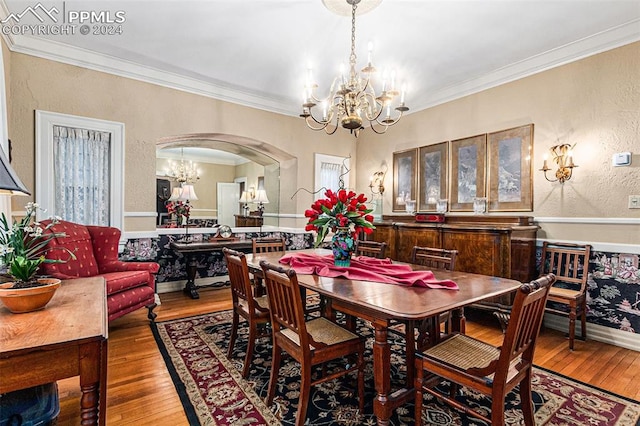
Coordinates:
x,y
242,221
67,338
190,250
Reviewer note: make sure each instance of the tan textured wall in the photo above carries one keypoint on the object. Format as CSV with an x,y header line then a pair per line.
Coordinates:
x,y
150,112
594,102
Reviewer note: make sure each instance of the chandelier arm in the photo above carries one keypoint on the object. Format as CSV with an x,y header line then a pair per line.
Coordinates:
x,y
380,132
330,132
310,125
389,120
371,100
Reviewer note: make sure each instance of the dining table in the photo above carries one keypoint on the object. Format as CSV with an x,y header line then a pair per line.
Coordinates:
x,y
383,304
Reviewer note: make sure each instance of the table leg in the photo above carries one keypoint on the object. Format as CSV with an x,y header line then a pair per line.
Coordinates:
x,y
382,376
91,378
190,287
458,320
102,407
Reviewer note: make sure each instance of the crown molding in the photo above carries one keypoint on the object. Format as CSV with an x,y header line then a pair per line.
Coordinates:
x,y
60,52
580,49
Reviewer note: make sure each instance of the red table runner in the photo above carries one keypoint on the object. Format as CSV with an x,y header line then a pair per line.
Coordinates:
x,y
364,268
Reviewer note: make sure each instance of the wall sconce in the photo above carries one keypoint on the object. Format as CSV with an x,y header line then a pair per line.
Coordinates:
x,y
563,157
376,183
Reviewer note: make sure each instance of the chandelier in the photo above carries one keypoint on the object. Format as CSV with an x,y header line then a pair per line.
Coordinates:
x,y
352,99
183,172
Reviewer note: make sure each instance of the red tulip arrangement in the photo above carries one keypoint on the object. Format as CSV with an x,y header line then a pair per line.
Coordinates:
x,y
342,209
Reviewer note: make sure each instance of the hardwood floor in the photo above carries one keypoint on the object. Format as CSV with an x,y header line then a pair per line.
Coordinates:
x,y
140,391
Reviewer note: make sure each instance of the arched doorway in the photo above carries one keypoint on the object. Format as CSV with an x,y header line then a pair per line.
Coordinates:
x,y
263,168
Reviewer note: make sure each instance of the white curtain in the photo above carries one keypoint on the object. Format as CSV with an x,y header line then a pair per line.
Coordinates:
x,y
81,170
330,176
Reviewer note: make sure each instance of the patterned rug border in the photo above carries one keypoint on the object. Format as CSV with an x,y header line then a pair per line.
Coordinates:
x,y
585,384
191,412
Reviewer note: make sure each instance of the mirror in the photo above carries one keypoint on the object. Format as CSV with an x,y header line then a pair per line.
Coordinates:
x,y
228,163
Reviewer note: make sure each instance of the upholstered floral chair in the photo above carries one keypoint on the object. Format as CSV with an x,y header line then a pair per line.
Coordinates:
x,y
130,285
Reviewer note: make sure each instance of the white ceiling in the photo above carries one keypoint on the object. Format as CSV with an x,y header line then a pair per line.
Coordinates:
x,y
255,52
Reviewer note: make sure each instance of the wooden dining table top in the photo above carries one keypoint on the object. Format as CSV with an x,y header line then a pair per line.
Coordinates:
x,y
399,302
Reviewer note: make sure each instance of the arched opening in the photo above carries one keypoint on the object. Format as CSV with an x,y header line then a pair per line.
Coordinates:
x,y
227,165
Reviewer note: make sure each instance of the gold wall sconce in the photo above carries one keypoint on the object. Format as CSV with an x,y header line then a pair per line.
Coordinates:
x,y
376,182
563,157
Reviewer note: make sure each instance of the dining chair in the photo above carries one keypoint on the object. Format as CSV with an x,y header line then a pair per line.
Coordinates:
x,y
265,245
254,310
489,370
309,342
268,245
371,249
570,264
439,259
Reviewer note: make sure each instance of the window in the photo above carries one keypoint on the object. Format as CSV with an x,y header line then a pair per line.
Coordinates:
x,y
329,169
89,186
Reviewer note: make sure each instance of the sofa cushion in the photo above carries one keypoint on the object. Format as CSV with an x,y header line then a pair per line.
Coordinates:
x,y
123,302
120,281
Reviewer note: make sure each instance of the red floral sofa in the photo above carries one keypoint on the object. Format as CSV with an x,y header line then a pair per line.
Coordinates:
x,y
130,285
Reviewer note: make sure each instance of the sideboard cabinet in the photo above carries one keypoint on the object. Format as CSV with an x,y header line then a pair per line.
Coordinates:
x,y
503,246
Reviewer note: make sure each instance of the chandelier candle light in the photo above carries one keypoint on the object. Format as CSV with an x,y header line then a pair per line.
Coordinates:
x,y
352,98
183,172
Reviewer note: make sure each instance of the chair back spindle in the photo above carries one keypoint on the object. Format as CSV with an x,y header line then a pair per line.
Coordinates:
x,y
526,318
434,257
371,249
268,245
286,306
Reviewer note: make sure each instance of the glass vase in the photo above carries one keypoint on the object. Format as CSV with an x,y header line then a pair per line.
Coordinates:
x,y
343,244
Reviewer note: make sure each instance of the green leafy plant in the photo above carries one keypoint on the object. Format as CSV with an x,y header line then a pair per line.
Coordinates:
x,y
23,245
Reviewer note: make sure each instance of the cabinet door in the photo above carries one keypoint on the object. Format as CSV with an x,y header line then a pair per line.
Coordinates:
x,y
385,233
408,237
484,252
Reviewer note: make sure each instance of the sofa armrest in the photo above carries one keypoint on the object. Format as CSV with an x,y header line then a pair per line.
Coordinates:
x,y
119,266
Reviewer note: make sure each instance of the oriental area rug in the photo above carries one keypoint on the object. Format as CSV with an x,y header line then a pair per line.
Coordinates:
x,y
213,391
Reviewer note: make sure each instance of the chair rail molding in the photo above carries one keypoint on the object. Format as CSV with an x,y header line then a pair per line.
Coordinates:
x,y
592,220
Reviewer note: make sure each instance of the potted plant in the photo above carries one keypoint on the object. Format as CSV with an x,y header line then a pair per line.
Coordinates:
x,y
344,213
23,246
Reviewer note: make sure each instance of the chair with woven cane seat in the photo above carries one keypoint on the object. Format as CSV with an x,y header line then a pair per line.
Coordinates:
x,y
371,249
439,259
489,370
310,342
570,264
255,310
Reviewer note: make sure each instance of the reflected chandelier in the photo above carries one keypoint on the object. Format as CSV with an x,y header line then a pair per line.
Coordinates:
x,y
182,172
352,98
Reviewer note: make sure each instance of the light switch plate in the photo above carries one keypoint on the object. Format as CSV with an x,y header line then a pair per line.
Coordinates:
x,y
621,159
634,201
